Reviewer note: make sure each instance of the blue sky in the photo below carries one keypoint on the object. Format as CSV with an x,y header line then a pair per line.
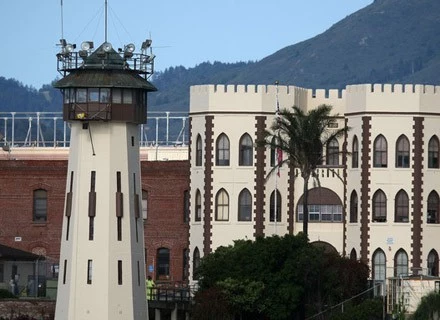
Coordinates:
x,y
184,32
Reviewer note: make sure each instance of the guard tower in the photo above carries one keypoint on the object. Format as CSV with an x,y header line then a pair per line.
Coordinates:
x,y
102,268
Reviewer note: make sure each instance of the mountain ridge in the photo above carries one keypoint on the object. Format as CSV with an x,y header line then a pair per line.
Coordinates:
x,y
388,41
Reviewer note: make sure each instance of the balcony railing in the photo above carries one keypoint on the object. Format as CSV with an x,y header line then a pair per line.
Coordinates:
x,y
47,129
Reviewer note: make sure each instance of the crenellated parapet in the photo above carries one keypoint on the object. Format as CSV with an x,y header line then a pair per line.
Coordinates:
x,y
392,98
333,97
354,99
257,98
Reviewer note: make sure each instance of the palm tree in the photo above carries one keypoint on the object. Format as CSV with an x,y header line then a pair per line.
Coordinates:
x,y
302,137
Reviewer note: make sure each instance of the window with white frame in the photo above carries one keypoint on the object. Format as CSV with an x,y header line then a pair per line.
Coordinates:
x,y
433,153
198,206
332,155
222,150
402,152
199,153
222,206
246,149
144,204
244,205
401,263
380,152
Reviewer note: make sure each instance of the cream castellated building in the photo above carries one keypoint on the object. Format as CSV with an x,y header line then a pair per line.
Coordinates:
x,y
379,203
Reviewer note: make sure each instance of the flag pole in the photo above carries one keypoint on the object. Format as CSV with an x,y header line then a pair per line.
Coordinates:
x,y
277,110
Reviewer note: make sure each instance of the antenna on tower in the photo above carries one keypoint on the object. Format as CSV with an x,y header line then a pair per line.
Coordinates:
x,y
62,21
105,21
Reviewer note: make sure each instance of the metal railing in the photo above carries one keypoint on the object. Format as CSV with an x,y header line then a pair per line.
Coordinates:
x,y
47,129
171,294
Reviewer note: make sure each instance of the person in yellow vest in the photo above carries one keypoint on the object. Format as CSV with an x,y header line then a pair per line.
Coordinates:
x,y
149,284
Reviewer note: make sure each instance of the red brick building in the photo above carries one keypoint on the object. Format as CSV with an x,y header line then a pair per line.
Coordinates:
x,y
32,194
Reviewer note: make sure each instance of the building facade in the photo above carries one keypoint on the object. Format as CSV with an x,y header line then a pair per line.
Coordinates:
x,y
378,201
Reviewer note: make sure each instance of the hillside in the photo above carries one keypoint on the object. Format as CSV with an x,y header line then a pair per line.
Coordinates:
x,y
389,41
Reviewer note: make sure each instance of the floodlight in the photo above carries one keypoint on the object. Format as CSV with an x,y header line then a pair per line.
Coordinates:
x,y
70,47
83,53
87,45
146,44
129,48
107,46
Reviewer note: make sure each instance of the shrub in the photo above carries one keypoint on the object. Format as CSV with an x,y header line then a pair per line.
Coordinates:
x,y
5,294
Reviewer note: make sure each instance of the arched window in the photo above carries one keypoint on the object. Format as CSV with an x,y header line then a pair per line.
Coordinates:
x,y
246,151
222,150
163,263
400,263
380,152
379,206
433,153
199,151
355,153
379,265
185,206
222,206
144,204
324,205
198,208
402,152
275,206
433,263
40,205
196,263
273,153
333,153
244,205
353,255
433,207
354,207
401,207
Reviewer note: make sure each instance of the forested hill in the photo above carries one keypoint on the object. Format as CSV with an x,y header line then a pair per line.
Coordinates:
x,y
15,96
389,41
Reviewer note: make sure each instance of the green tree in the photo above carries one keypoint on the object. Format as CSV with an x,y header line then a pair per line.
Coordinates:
x,y
273,278
428,308
302,137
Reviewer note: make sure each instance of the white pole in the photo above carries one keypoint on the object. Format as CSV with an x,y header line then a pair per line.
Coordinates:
x,y
277,110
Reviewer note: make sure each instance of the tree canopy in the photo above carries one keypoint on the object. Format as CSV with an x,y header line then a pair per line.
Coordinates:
x,y
302,137
268,279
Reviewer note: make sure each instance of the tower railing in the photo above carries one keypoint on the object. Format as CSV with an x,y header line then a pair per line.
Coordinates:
x,y
47,129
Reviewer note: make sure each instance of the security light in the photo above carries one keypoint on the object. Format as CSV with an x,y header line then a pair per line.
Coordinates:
x,y
87,45
129,47
107,46
70,47
146,44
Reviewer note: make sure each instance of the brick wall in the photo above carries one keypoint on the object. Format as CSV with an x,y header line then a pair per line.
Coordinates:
x,y
165,182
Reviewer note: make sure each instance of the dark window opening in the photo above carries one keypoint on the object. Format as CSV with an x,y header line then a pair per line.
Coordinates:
x,y
89,271
163,263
